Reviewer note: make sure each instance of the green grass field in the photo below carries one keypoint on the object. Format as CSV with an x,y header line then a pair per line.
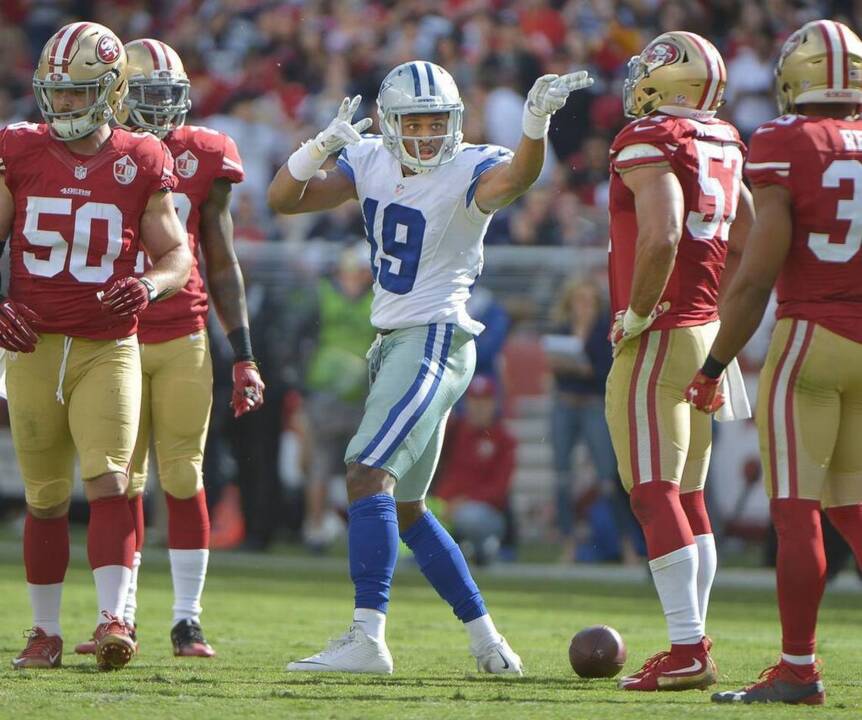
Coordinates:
x,y
260,614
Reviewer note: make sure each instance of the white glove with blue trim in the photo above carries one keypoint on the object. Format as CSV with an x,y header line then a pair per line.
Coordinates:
x,y
548,94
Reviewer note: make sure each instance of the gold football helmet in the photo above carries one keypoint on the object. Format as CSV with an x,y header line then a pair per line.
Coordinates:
x,y
158,98
677,69
81,58
820,63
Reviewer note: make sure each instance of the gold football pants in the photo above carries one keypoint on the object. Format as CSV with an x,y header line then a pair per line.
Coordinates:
x,y
175,410
655,433
100,382
809,415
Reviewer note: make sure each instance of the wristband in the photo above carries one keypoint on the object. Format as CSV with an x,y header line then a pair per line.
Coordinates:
x,y
535,126
712,368
305,161
152,293
240,341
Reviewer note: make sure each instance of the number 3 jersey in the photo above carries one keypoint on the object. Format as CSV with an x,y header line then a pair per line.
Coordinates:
x,y
201,156
706,157
819,161
77,223
425,232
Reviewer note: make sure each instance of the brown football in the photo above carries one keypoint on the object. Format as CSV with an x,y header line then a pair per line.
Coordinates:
x,y
597,652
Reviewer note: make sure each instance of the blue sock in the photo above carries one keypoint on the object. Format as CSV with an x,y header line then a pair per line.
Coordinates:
x,y
372,548
442,563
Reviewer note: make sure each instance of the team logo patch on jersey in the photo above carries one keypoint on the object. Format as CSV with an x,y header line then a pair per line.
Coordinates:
x,y
660,54
187,164
108,50
125,170
80,172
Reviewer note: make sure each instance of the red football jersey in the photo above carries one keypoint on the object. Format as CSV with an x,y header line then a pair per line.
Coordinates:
x,y
819,160
706,157
77,221
201,156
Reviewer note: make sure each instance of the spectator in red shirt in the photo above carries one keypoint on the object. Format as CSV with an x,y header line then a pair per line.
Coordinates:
x,y
479,459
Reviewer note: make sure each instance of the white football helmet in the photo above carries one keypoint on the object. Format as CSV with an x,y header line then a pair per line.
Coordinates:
x,y
82,56
419,87
158,98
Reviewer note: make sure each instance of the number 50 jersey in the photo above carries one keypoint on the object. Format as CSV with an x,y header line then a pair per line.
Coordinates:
x,y
819,160
706,157
425,232
77,223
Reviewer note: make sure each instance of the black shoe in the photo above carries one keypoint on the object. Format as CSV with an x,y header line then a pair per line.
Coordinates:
x,y
188,640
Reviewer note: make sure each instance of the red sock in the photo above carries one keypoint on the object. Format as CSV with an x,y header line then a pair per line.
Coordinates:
x,y
695,510
46,549
188,522
111,533
657,507
847,520
136,505
800,571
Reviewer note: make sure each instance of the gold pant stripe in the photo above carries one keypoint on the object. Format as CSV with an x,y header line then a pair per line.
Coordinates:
x,y
643,414
783,459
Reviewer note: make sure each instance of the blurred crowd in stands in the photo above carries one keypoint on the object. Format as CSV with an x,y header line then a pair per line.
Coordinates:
x,y
271,74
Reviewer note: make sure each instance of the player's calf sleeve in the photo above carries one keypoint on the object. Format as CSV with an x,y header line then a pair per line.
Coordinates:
x,y
443,565
372,548
111,549
800,571
847,520
707,559
136,506
188,522
673,557
46,549
46,557
657,507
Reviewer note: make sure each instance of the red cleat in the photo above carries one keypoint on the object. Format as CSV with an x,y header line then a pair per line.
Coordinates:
x,y
42,651
114,644
88,647
784,683
691,669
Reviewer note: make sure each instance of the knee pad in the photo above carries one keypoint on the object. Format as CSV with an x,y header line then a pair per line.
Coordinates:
x,y
182,477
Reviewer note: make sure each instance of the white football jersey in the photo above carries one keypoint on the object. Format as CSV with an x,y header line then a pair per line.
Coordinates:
x,y
425,232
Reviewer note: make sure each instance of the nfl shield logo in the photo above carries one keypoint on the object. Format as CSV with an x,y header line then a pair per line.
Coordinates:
x,y
187,164
125,170
80,172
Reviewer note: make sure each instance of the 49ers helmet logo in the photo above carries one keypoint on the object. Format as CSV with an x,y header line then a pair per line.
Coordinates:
x,y
108,49
663,53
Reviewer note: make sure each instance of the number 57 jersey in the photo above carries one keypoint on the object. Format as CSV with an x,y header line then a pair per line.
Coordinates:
x,y
819,161
706,158
77,223
425,232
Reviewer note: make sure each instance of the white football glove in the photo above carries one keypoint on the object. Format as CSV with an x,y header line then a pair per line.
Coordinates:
x,y
628,324
342,131
548,94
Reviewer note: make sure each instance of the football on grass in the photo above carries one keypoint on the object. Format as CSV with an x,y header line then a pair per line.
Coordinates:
x,y
597,652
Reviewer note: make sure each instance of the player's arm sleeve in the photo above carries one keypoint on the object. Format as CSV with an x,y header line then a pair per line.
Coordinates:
x,y
642,144
230,167
3,151
344,163
769,156
485,158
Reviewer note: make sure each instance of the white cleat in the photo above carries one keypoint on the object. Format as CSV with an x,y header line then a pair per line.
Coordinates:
x,y
353,652
499,659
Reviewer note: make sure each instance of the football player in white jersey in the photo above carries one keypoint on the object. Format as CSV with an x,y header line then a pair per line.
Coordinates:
x,y
427,198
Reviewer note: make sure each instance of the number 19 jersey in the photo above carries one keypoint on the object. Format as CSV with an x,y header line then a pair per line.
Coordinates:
x,y
425,232
819,160
706,157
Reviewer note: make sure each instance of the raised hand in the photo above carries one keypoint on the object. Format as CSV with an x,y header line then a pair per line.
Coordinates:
x,y
342,130
550,92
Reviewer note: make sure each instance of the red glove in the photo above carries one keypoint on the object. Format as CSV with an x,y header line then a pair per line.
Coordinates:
x,y
16,332
247,388
126,297
705,393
